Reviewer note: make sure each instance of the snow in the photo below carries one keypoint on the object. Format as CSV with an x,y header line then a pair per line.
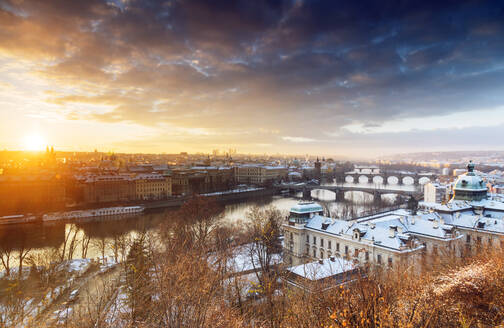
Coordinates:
x,y
241,259
233,191
328,268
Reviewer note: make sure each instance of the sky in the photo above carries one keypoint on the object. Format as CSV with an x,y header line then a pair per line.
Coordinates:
x,y
342,78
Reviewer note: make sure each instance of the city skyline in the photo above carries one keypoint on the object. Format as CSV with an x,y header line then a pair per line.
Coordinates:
x,y
296,77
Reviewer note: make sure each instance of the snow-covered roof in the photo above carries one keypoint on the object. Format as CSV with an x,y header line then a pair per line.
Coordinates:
x,y
306,207
324,269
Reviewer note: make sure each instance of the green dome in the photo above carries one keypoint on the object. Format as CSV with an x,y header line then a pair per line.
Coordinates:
x,y
470,186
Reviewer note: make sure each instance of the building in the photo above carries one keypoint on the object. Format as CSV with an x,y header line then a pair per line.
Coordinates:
x,y
259,174
470,186
382,239
152,186
470,221
436,193
478,217
185,182
109,188
31,193
219,178
322,274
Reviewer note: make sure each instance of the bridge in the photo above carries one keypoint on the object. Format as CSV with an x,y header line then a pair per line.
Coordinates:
x,y
340,191
371,176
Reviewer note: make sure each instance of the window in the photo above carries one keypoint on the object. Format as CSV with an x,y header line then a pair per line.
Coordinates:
x,y
321,242
367,256
468,238
314,252
329,244
307,238
378,259
314,240
346,249
356,252
390,261
321,253
337,247
434,249
292,236
478,240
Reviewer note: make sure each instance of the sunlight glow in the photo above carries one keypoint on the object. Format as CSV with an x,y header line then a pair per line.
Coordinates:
x,y
34,142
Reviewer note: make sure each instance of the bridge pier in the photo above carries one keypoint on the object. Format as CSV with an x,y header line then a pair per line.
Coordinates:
x,y
340,195
385,180
377,198
400,180
306,193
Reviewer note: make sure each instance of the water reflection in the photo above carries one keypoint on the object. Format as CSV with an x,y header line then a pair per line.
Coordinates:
x,y
90,236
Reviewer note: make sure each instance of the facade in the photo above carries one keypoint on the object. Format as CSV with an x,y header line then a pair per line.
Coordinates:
x,y
219,178
260,174
435,193
383,239
152,186
31,193
185,182
109,188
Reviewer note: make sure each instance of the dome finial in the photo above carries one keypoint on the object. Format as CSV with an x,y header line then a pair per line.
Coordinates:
x,y
470,166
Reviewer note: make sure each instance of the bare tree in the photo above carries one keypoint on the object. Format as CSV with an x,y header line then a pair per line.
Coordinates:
x,y
6,253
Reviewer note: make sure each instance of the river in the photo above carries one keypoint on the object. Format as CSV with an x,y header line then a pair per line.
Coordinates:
x,y
49,236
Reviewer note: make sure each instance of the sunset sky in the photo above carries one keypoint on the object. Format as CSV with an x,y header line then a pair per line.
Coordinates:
x,y
350,78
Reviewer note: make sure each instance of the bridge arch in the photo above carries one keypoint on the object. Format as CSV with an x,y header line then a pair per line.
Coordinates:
x,y
363,179
378,179
408,180
392,179
424,180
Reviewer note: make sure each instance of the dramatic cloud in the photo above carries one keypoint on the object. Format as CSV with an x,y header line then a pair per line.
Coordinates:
x,y
264,76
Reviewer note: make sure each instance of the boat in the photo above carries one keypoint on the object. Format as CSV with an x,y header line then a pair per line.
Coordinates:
x,y
107,211
14,219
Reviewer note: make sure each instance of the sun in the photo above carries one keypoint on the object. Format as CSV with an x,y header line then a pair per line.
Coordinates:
x,y
34,142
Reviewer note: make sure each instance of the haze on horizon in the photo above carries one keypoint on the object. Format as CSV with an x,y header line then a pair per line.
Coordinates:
x,y
359,79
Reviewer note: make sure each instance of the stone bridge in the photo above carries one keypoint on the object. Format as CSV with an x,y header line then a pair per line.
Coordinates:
x,y
340,191
400,176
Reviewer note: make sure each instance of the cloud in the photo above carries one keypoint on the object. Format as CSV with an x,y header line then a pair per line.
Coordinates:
x,y
298,139
236,67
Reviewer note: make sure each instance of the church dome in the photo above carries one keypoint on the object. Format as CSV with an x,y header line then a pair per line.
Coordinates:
x,y
470,186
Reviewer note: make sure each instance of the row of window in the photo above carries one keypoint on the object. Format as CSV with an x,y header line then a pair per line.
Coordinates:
x,y
346,250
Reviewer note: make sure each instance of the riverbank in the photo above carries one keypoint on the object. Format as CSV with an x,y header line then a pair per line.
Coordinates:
x,y
173,202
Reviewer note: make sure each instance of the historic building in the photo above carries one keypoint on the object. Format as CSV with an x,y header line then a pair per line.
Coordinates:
x,y
470,186
31,193
259,174
469,221
479,217
152,186
109,188
383,239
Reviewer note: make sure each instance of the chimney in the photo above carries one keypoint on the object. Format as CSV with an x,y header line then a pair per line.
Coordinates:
x,y
412,220
332,258
392,231
435,224
441,221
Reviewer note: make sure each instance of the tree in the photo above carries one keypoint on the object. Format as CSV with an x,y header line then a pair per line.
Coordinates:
x,y
137,279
